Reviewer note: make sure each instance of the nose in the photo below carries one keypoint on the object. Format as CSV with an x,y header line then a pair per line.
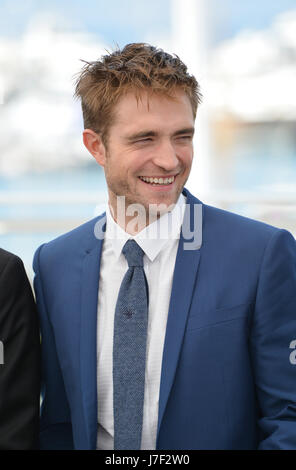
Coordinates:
x,y
166,156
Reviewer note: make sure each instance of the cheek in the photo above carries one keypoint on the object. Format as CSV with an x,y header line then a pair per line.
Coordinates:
x,y
113,166
136,164
186,156
189,154
189,159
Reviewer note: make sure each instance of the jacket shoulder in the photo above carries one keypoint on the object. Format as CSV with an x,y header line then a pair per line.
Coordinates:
x,y
73,242
237,234
230,221
8,257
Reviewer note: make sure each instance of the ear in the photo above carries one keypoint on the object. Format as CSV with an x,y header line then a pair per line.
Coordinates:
x,y
94,144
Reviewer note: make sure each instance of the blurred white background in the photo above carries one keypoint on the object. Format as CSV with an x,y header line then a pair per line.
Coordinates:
x,y
242,53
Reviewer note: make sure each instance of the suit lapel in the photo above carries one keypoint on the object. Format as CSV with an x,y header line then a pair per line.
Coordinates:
x,y
88,335
185,274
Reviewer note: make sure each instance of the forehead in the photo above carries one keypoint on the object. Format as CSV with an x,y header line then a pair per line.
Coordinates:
x,y
152,109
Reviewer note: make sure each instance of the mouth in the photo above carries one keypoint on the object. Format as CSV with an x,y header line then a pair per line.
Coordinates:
x,y
154,181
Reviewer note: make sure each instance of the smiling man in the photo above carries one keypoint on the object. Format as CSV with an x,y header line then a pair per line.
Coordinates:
x,y
150,341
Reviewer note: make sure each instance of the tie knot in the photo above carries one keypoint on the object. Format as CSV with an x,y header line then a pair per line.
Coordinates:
x,y
133,253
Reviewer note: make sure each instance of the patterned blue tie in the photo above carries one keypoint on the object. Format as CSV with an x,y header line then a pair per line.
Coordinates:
x,y
129,351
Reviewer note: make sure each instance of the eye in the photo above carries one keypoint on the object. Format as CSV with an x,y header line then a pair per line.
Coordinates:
x,y
185,137
147,139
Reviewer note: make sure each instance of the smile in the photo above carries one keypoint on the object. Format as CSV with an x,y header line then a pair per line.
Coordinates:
x,y
152,180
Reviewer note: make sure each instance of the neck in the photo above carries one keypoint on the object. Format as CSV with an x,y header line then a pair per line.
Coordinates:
x,y
133,218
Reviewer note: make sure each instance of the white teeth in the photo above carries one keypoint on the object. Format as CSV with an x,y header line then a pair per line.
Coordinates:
x,y
157,180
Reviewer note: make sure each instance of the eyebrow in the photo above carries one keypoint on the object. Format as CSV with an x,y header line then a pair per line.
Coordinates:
x,y
187,130
145,134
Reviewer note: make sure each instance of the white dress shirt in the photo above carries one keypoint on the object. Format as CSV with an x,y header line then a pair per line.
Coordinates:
x,y
159,241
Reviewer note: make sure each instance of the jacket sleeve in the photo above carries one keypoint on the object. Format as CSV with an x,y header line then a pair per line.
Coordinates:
x,y
20,359
55,422
272,341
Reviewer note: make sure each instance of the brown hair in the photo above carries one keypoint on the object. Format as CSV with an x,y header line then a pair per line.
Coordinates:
x,y
138,66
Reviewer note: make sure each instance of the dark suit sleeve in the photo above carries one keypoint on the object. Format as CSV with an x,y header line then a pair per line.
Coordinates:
x,y
20,370
55,424
273,335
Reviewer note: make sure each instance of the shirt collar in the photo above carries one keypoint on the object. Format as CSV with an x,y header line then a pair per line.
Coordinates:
x,y
153,237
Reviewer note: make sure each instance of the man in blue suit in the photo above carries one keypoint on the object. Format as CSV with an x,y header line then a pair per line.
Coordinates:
x,y
220,338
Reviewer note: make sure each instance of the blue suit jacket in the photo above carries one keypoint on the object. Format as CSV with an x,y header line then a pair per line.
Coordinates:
x,y
228,377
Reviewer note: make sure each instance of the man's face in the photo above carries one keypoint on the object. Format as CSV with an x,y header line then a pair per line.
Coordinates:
x,y
149,138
